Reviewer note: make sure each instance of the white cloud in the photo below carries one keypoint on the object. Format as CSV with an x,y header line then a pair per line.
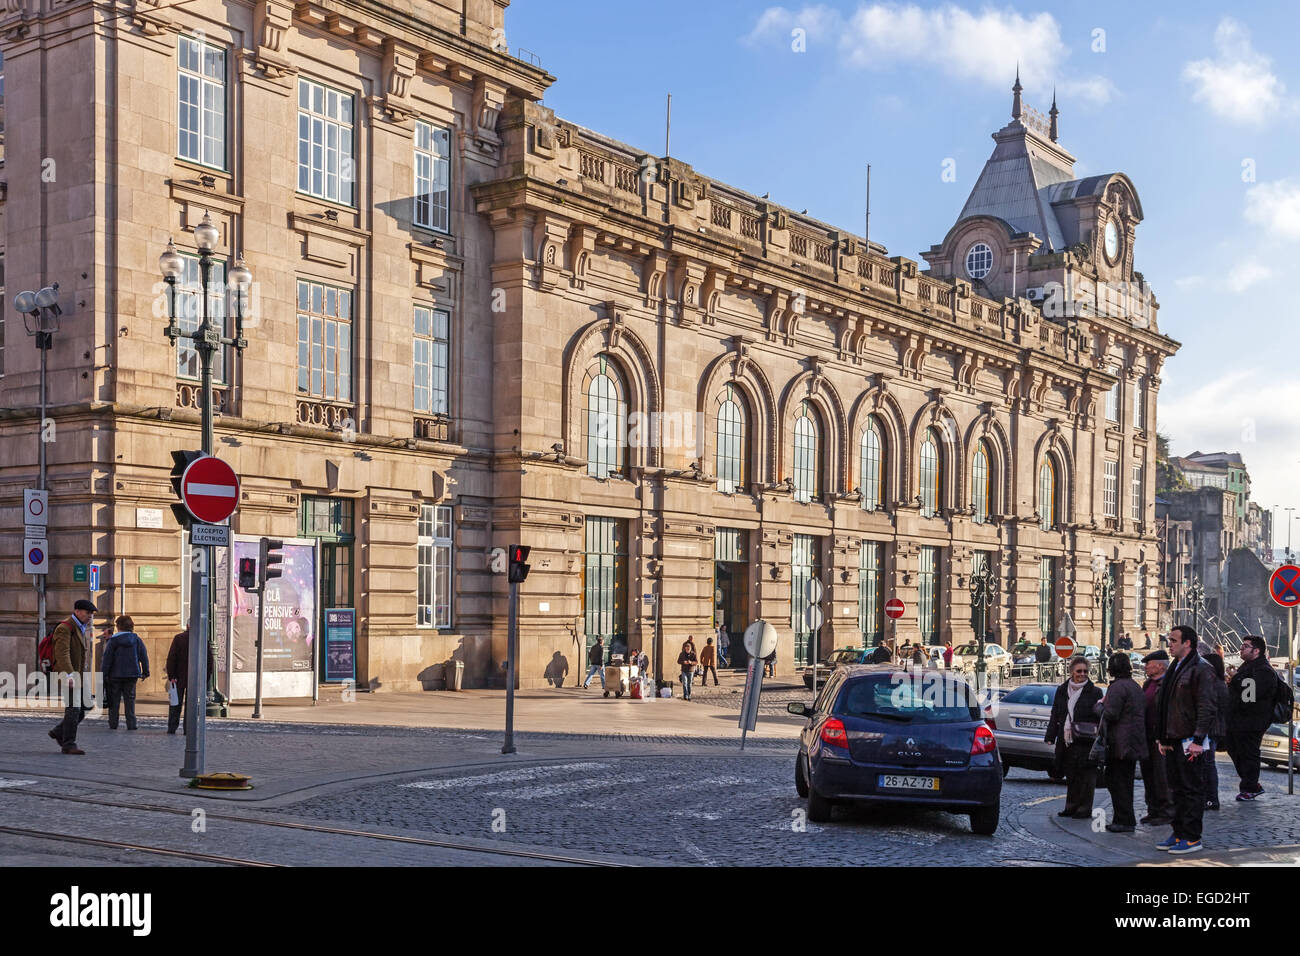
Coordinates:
x,y
1190,282
1245,274
1275,207
974,47
1239,84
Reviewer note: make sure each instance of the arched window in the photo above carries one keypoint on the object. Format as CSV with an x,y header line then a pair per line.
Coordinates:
x,y
606,415
807,454
873,466
981,486
731,451
930,474
1047,495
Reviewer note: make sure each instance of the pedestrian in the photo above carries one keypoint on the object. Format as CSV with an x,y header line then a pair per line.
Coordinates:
x,y
707,657
1124,722
596,663
1164,641
769,664
126,661
1184,719
918,656
947,655
1073,728
1155,782
71,660
1251,693
881,654
1147,636
177,670
687,660
905,652
724,646
1043,652
1216,741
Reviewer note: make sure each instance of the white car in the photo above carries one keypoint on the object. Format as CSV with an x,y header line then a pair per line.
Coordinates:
x,y
996,657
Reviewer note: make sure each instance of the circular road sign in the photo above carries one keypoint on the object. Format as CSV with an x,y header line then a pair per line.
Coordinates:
x,y
36,556
894,609
760,639
210,489
1284,586
1064,647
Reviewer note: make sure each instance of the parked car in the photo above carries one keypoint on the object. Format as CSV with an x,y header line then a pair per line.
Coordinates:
x,y
1019,721
844,655
1272,749
996,658
881,734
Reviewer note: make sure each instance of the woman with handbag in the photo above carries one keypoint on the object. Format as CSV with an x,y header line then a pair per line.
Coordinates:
x,y
1073,727
1124,731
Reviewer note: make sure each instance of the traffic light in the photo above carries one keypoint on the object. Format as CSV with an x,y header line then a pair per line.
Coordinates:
x,y
180,461
248,574
518,569
268,551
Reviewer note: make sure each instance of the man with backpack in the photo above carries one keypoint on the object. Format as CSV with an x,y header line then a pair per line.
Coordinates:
x,y
70,653
1253,693
125,662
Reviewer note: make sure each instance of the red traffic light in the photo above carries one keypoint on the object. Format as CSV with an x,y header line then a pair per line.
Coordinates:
x,y
519,553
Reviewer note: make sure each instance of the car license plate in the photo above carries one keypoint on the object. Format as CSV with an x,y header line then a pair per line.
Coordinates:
x,y
1031,723
898,782
1275,744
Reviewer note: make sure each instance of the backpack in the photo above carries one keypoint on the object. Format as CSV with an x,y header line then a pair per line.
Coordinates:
x,y
1283,701
45,651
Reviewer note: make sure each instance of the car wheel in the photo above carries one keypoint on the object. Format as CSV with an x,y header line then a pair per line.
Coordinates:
x,y
984,821
819,808
800,778
1006,769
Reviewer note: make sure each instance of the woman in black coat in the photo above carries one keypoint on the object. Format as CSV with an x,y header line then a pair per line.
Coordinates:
x,y
1073,728
1124,728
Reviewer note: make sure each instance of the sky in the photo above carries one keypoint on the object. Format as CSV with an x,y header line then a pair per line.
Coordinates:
x,y
1198,103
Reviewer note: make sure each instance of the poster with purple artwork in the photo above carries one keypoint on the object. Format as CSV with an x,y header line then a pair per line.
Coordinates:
x,y
289,615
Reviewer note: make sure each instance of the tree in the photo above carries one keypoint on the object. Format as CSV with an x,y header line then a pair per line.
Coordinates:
x,y
1169,477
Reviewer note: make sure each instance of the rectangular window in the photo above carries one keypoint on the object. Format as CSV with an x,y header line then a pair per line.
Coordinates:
x,y
1112,397
1140,598
432,177
1135,494
431,330
805,567
189,316
1046,595
1110,499
927,605
604,585
325,166
729,544
201,102
433,598
871,605
1139,407
324,342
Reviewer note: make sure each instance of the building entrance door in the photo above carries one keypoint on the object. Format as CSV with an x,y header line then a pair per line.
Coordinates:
x,y
731,606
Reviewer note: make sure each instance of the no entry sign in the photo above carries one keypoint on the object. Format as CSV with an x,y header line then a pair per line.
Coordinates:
x,y
1064,647
210,489
894,609
1284,586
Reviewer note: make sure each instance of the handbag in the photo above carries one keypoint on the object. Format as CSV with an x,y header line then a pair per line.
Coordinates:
x,y
173,695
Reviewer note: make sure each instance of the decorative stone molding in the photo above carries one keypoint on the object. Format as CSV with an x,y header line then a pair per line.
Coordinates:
x,y
271,18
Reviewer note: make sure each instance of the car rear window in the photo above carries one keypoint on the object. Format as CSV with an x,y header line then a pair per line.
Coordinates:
x,y
1031,694
846,657
908,698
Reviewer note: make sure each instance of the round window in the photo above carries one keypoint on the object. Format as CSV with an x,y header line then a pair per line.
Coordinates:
x,y
979,260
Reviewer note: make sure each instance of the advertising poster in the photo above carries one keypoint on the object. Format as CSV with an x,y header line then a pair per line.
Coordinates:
x,y
340,644
289,614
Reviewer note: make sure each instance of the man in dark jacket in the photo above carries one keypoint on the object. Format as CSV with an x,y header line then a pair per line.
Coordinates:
x,y
595,663
1250,711
1185,715
880,655
73,664
1155,783
125,662
1043,652
1126,740
178,673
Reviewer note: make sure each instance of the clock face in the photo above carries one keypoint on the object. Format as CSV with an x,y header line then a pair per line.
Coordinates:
x,y
1112,240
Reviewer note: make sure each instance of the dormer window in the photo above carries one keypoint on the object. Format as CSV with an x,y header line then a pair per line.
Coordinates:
x,y
979,260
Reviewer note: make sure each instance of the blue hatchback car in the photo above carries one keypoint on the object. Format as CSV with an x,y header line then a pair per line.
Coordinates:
x,y
878,734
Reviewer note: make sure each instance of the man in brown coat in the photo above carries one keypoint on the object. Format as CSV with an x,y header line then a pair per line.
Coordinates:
x,y
707,663
71,660
178,672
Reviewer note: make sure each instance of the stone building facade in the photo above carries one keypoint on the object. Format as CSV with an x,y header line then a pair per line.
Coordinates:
x,y
476,323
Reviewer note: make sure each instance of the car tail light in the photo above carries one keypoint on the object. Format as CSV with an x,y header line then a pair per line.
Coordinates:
x,y
1295,744
834,734
984,742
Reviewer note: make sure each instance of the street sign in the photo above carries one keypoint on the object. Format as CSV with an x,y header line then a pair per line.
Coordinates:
x,y
79,574
760,639
813,590
1284,586
94,578
36,507
813,617
214,535
147,574
210,489
35,530
36,556
894,609
1064,647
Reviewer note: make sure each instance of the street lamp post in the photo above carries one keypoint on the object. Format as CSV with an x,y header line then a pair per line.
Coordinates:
x,y
40,312
208,340
983,592
1104,597
1196,598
